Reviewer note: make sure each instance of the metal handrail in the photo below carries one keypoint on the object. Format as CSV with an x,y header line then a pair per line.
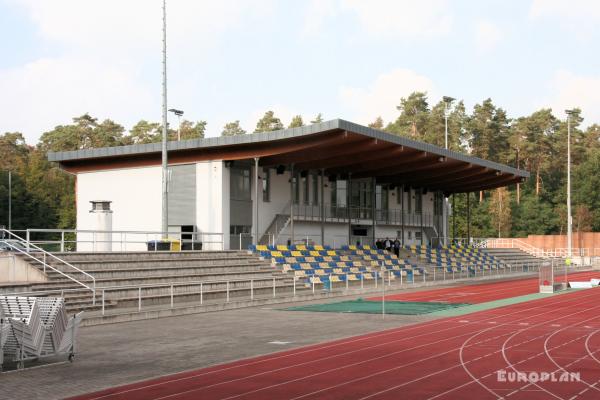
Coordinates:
x,y
29,245
123,236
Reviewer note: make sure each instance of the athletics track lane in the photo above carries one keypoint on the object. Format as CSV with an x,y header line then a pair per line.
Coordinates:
x,y
480,293
452,358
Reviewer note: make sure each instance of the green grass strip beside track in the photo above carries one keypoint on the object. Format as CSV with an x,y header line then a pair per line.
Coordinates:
x,y
471,308
374,307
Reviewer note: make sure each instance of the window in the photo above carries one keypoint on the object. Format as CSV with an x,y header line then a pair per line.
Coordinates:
x,y
305,186
315,190
296,188
333,191
438,203
240,184
418,235
418,201
266,185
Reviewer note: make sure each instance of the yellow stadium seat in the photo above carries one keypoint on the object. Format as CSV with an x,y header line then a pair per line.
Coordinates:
x,y
261,247
297,253
282,247
300,247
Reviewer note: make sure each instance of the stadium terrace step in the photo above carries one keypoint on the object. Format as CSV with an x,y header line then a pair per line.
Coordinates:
x,y
156,272
515,257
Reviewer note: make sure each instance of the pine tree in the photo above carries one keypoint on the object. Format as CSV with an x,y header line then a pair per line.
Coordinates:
x,y
269,122
233,129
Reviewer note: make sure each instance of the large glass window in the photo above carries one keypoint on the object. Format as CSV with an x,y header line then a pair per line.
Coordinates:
x,y
296,188
305,187
418,201
315,180
240,184
266,185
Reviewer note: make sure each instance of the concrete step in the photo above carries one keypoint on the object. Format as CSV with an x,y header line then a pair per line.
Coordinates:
x,y
122,264
164,271
67,284
146,255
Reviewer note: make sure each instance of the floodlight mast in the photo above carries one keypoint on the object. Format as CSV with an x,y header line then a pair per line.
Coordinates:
x,y
165,204
448,101
569,113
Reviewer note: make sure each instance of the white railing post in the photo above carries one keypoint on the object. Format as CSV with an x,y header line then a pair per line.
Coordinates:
x,y
201,294
346,282
274,288
362,281
313,283
227,285
171,295
251,289
294,286
62,241
102,301
139,299
27,237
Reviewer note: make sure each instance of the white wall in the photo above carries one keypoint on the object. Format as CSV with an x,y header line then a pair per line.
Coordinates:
x,y
136,197
212,203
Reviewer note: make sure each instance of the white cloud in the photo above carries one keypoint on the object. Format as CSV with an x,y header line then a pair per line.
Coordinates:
x,y
48,92
103,57
487,35
384,18
381,97
316,14
579,16
570,90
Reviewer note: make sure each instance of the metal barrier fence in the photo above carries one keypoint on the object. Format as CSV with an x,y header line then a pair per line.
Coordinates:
x,y
118,240
258,288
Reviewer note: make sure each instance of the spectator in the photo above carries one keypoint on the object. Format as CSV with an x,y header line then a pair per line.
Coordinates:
x,y
397,247
388,244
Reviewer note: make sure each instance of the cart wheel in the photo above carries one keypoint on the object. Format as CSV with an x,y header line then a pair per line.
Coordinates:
x,y
71,357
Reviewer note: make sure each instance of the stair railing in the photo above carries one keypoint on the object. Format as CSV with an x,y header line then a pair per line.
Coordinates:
x,y
22,246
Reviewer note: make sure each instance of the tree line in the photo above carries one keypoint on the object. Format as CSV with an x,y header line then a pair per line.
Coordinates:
x,y
43,196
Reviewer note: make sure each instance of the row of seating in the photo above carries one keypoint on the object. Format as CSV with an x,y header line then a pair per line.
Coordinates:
x,y
351,263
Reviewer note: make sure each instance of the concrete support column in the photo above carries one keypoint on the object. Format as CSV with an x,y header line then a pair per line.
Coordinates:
x,y
292,203
453,217
256,192
322,206
348,197
373,208
468,218
402,213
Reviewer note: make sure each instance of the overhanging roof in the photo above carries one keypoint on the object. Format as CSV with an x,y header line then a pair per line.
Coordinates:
x,y
338,147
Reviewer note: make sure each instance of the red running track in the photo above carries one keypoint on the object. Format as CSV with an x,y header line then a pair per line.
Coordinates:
x,y
451,358
480,293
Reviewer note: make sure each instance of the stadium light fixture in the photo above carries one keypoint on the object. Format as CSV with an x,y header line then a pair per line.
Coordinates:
x,y
448,100
179,113
569,113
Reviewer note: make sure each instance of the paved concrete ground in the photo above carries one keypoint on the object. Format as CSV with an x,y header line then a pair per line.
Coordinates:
x,y
117,354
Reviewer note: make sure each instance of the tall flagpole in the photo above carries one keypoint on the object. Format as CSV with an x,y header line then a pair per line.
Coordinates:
x,y
165,184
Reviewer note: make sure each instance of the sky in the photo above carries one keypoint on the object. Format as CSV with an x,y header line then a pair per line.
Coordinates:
x,y
235,59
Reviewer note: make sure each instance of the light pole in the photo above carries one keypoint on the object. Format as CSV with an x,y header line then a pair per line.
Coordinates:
x,y
448,100
179,113
165,204
569,217
9,200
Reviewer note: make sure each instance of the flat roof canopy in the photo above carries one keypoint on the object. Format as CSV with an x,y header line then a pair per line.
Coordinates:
x,y
338,147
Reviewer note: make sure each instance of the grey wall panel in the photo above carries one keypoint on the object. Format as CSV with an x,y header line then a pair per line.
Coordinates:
x,y
182,194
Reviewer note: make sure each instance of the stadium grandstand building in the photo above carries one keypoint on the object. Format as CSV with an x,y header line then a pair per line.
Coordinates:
x,y
334,183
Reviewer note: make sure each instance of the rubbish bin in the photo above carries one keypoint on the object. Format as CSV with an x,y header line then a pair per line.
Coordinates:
x,y
191,245
164,245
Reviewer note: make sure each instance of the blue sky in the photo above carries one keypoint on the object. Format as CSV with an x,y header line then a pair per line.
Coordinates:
x,y
234,59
